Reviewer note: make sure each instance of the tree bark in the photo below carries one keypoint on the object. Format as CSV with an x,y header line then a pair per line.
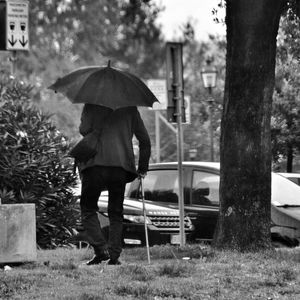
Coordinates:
x,y
245,187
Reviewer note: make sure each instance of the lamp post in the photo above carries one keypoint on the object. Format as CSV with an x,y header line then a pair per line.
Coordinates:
x,y
209,77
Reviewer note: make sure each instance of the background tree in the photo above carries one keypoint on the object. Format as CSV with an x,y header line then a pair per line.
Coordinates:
x,y
245,187
285,132
196,134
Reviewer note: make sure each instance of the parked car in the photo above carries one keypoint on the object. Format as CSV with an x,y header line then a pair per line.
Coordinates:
x,y
295,177
201,198
162,221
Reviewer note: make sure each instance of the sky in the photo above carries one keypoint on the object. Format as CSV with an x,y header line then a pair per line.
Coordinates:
x,y
178,12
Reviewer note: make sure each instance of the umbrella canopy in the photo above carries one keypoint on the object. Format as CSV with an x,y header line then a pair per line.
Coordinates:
x,y
105,86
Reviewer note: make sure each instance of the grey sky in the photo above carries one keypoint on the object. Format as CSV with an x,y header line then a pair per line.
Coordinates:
x,y
199,12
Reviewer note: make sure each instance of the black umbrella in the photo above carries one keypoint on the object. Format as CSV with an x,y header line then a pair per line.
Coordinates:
x,y
105,86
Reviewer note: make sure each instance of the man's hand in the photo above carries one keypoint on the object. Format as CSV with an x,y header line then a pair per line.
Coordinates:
x,y
142,174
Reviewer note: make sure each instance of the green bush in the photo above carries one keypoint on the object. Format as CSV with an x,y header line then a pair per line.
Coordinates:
x,y
34,167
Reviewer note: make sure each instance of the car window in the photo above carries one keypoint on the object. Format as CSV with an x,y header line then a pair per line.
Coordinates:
x,y
159,185
284,191
205,189
294,179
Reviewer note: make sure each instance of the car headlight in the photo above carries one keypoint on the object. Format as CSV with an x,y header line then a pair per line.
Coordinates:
x,y
137,219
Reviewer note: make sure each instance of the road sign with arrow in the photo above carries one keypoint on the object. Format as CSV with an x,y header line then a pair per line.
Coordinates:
x,y
16,25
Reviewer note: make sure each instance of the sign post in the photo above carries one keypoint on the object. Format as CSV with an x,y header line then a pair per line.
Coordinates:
x,y
175,113
14,31
17,25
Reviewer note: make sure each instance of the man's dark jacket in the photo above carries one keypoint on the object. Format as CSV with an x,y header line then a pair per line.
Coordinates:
x,y
116,130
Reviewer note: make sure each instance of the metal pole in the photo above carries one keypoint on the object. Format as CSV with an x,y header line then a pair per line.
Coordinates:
x,y
211,134
157,136
145,217
178,100
13,59
211,131
180,175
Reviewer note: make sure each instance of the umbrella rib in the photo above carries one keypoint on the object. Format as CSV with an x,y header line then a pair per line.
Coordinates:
x,y
145,90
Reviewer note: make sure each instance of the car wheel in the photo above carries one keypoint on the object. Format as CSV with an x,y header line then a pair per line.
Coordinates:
x,y
280,241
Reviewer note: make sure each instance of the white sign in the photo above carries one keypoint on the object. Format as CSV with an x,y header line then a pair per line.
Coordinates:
x,y
159,88
17,25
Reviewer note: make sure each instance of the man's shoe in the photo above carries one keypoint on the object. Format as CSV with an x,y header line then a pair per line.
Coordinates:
x,y
98,259
114,262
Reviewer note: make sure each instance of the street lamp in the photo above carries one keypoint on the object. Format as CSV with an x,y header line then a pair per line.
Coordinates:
x,y
209,77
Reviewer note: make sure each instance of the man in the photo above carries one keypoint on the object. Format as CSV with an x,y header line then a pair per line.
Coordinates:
x,y
110,169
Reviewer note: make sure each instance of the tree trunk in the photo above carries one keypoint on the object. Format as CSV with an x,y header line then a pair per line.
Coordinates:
x,y
245,187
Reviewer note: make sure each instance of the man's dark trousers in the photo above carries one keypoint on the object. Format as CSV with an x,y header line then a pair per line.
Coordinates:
x,y
94,180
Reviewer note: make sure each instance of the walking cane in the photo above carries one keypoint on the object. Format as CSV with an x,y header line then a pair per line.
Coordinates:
x,y
144,212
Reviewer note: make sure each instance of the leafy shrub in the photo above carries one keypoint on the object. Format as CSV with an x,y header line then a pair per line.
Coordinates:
x,y
34,167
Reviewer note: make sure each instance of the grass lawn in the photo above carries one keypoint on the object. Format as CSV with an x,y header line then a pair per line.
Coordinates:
x,y
208,274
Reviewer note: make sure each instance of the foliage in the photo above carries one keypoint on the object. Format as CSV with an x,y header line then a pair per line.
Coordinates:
x,y
89,32
33,164
196,55
196,134
286,100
